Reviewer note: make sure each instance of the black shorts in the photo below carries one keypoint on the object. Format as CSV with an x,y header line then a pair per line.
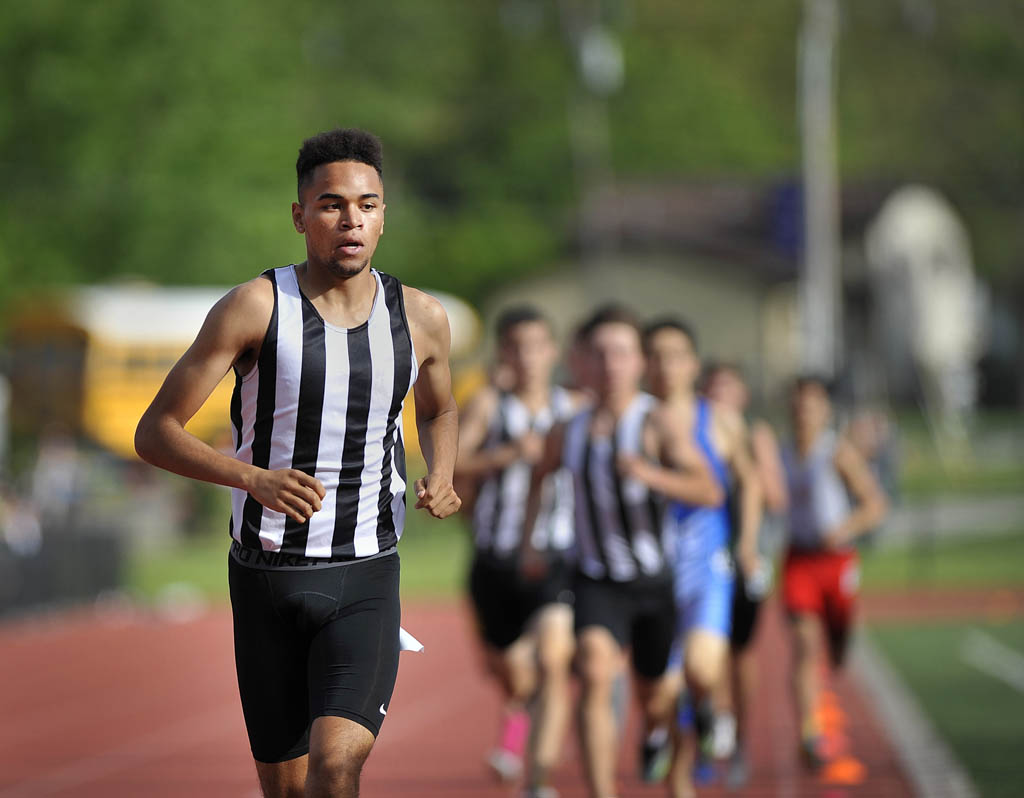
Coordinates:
x,y
744,616
640,615
313,642
504,602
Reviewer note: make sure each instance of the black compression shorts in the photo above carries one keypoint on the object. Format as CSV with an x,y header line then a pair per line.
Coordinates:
x,y
640,614
504,602
744,616
313,642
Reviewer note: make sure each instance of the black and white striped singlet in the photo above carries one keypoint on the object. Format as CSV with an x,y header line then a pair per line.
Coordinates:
x,y
501,502
620,525
327,401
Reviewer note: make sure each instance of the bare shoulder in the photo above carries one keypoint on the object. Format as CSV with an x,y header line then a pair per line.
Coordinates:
x,y
665,419
243,311
252,298
727,418
846,454
424,311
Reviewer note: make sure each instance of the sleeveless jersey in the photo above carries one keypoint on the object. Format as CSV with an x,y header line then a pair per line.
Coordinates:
x,y
327,401
818,500
501,502
619,522
700,533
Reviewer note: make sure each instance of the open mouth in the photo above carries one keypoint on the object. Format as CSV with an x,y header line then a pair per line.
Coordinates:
x,y
351,247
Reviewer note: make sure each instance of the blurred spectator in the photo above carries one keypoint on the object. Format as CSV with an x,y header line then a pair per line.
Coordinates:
x,y
19,524
54,484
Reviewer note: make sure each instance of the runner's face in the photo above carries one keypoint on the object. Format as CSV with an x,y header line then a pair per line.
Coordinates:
x,y
616,357
726,387
811,409
530,351
341,216
672,365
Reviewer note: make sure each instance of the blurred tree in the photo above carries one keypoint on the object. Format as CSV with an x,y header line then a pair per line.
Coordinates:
x,y
158,140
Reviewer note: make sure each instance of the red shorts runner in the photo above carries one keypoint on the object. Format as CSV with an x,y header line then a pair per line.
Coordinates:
x,y
822,583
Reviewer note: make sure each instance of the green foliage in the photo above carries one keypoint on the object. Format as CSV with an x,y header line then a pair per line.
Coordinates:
x,y
157,140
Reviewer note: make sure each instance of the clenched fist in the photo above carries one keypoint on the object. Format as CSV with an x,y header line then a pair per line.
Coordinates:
x,y
436,496
289,491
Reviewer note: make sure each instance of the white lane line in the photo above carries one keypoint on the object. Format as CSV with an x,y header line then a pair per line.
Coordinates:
x,y
929,762
991,657
155,745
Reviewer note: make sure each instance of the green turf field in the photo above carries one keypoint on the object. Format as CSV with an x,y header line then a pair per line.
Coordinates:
x,y
991,561
993,464
979,714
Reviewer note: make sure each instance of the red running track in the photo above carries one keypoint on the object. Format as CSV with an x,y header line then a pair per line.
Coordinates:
x,y
130,703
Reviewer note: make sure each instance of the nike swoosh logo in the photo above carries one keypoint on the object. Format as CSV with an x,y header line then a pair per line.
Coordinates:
x,y
382,710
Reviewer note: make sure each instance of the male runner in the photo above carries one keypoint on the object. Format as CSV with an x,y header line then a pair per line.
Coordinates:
x,y
820,576
323,355
724,385
526,626
624,456
701,559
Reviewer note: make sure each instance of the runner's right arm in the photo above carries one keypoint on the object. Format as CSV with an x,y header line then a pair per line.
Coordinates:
x,y
231,336
550,460
475,462
770,471
676,468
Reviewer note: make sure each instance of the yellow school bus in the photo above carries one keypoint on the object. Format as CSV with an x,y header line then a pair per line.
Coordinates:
x,y
91,359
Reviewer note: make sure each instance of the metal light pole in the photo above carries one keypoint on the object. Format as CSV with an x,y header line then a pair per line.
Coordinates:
x,y
820,298
600,72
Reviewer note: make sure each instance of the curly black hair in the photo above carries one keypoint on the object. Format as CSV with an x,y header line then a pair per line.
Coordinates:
x,y
343,144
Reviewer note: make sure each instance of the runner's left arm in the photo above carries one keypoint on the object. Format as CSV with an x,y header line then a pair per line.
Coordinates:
x,y
437,415
748,486
870,505
677,470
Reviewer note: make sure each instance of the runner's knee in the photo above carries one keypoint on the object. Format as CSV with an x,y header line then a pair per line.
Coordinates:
x,y
598,660
336,768
555,654
282,779
704,664
519,671
338,748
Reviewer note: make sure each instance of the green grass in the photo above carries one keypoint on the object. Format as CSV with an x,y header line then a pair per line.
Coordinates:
x,y
991,465
980,716
200,562
434,560
991,561
929,479
435,556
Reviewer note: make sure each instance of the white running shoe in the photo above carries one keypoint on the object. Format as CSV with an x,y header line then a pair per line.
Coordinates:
x,y
505,765
723,736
